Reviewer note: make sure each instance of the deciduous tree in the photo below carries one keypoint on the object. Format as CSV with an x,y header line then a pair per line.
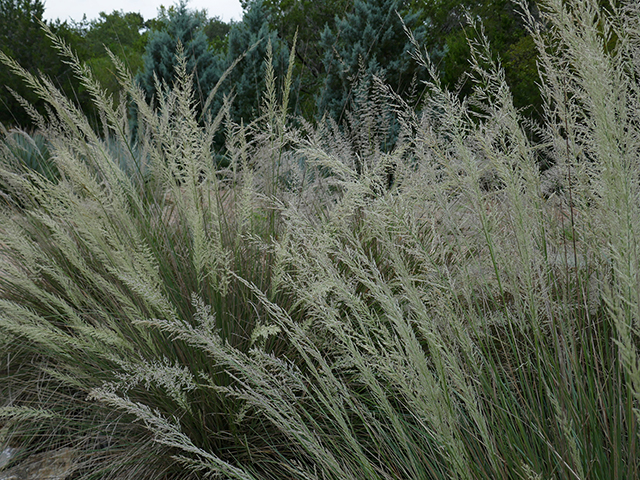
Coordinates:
x,y
450,31
123,34
22,38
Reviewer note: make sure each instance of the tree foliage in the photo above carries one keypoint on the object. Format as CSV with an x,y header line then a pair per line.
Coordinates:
x,y
370,38
122,34
251,38
450,31
306,20
337,40
216,31
22,38
186,28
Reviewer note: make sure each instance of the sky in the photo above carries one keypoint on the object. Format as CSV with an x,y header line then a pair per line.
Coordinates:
x,y
75,9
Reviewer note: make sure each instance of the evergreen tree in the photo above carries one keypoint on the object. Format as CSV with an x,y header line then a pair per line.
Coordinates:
x,y
370,40
252,36
306,20
160,59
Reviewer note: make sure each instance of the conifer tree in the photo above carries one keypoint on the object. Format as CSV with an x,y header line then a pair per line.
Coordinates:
x,y
252,36
370,36
305,20
185,27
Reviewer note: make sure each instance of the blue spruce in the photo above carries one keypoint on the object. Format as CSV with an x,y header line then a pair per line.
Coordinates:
x,y
370,40
185,27
247,80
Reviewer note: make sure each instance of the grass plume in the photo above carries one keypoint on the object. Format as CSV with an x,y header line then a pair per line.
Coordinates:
x,y
329,304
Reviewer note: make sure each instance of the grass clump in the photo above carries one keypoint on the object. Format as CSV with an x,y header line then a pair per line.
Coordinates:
x,y
330,305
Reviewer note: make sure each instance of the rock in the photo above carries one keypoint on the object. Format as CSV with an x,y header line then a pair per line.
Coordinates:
x,y
6,455
54,465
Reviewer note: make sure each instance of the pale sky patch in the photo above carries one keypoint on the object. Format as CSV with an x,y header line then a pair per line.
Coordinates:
x,y
74,9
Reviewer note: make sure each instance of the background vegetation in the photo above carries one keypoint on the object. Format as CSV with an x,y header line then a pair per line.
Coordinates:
x,y
335,40
434,284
